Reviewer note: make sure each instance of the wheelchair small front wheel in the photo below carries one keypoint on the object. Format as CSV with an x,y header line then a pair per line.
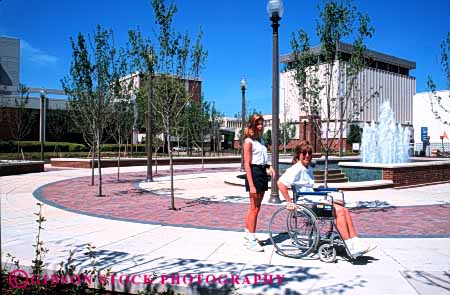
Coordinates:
x,y
327,253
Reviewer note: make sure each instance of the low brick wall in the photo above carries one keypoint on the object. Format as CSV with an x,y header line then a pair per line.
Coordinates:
x,y
417,175
21,168
84,163
413,173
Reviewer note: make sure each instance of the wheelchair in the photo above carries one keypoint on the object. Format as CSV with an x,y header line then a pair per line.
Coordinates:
x,y
309,228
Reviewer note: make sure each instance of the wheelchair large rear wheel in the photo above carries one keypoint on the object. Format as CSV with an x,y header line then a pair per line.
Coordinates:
x,y
294,233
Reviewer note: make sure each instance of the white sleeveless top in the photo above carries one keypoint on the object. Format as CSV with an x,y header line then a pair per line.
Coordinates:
x,y
259,151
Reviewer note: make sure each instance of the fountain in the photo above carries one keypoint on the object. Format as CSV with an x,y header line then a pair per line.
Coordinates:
x,y
385,158
386,142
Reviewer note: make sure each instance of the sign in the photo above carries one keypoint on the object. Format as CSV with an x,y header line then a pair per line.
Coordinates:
x,y
424,134
355,146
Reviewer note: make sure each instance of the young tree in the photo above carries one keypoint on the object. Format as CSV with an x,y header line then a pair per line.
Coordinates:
x,y
287,132
22,119
122,118
195,119
325,81
440,106
214,128
144,55
89,85
177,62
58,125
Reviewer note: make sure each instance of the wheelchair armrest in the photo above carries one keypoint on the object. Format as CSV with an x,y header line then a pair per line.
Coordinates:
x,y
312,193
326,189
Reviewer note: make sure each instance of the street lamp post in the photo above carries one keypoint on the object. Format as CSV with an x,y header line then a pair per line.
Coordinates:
x,y
42,122
275,11
243,87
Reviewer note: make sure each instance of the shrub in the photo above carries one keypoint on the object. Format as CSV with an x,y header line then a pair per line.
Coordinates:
x,y
115,147
35,146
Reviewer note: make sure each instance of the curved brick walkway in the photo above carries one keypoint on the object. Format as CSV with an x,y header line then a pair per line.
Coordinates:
x,y
124,201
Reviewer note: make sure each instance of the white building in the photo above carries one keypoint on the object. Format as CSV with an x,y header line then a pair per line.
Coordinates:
x,y
424,117
385,74
232,124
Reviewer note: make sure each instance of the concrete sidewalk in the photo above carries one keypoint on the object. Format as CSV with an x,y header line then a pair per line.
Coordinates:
x,y
397,266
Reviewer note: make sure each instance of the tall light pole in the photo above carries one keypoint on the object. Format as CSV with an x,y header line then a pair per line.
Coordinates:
x,y
42,122
275,11
243,87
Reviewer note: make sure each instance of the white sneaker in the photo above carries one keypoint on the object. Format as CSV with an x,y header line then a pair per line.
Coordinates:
x,y
247,235
354,251
362,247
370,248
253,245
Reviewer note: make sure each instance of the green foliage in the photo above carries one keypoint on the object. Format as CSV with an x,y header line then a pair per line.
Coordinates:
x,y
35,146
314,73
338,21
287,132
169,64
440,106
58,124
195,123
21,118
40,250
115,147
92,82
354,135
267,136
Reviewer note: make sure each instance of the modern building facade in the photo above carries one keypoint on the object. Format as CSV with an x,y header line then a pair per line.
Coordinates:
x,y
9,64
385,77
424,117
192,86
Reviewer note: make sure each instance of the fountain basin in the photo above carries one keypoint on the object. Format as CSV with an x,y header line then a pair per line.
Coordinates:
x,y
402,174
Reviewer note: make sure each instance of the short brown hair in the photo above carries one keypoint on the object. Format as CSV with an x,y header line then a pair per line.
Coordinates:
x,y
250,131
299,148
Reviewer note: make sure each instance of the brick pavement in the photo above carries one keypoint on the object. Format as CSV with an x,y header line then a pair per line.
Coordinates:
x,y
123,201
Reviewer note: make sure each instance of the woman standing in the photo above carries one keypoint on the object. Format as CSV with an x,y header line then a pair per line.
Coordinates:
x,y
256,165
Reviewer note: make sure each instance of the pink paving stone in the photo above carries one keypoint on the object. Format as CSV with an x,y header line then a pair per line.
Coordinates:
x,y
123,201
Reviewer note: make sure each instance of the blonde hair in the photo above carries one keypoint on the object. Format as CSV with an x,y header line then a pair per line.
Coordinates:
x,y
251,131
299,148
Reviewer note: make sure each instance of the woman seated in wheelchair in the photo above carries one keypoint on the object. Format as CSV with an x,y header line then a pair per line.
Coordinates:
x,y
300,174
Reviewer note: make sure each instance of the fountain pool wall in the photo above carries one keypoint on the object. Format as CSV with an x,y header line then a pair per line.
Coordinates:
x,y
413,173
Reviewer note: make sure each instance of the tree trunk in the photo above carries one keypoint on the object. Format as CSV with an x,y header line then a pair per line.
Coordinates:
x,y
118,162
156,159
131,147
93,165
100,193
203,155
18,150
172,195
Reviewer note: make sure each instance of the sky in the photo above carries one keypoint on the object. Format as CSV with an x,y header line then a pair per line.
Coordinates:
x,y
237,36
